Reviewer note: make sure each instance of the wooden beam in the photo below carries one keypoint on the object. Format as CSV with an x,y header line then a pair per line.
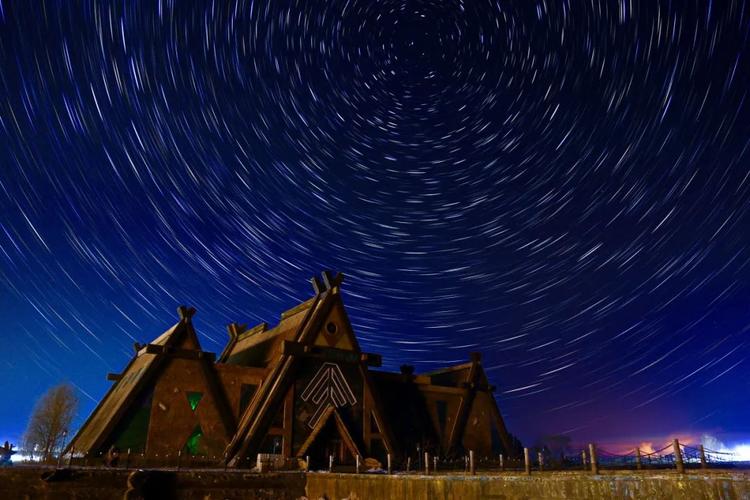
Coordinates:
x,y
329,353
179,353
346,436
316,430
464,407
255,417
385,430
234,330
286,448
186,313
442,389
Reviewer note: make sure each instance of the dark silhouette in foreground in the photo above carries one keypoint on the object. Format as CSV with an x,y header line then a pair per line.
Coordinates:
x,y
6,452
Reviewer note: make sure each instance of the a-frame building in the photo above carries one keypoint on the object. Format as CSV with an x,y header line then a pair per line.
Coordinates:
x,y
301,389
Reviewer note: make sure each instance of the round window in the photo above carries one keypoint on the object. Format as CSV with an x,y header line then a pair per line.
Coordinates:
x,y
331,328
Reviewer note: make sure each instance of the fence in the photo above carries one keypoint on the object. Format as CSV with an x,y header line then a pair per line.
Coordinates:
x,y
591,459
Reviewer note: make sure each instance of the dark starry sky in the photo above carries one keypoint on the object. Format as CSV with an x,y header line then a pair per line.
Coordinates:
x,y
563,185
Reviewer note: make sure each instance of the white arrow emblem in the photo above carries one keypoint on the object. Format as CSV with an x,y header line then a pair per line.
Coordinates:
x,y
327,388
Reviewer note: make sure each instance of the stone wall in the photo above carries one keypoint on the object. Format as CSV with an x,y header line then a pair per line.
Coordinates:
x,y
26,483
551,485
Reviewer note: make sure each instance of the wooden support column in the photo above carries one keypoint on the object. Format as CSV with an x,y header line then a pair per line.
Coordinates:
x,y
367,417
594,461
527,461
678,457
286,443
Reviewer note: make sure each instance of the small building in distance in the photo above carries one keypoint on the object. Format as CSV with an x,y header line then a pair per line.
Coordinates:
x,y
301,389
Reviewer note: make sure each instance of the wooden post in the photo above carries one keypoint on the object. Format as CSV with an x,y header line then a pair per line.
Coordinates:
x,y
638,465
426,463
179,456
330,463
583,459
703,457
472,468
594,461
678,457
434,464
357,466
527,461
307,463
540,459
390,470
408,464
502,465
127,460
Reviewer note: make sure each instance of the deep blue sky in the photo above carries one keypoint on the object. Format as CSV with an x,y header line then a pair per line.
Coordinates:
x,y
561,185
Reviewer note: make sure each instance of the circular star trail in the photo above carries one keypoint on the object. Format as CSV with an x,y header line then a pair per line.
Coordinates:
x,y
563,186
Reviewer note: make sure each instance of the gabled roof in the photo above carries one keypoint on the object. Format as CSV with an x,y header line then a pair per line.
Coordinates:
x,y
402,401
252,347
311,326
138,376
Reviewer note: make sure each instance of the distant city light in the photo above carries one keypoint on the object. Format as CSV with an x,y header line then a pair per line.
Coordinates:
x,y
741,452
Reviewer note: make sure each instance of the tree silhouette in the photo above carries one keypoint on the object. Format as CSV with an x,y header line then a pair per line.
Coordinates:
x,y
50,421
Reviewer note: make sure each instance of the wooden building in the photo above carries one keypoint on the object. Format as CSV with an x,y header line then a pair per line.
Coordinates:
x,y
302,388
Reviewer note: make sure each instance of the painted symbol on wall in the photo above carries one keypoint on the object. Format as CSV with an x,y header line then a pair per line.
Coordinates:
x,y
327,388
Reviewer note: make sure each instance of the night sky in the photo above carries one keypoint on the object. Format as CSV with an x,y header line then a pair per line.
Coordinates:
x,y
563,185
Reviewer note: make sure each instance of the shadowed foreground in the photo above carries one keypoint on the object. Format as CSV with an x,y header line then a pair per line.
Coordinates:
x,y
27,483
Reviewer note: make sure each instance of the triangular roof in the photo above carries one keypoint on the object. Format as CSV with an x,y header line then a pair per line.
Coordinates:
x,y
473,377
402,395
138,376
310,317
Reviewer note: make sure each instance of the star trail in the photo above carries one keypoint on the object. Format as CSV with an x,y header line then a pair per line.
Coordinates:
x,y
563,185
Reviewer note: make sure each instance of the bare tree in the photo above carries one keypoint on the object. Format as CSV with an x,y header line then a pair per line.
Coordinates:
x,y
51,420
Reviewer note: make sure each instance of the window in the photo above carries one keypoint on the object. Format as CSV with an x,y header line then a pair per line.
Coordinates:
x,y
193,399
193,442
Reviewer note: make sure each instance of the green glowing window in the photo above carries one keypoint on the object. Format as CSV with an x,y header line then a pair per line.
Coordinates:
x,y
191,446
194,398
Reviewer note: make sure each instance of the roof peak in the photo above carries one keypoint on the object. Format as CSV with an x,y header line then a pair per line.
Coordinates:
x,y
330,281
186,313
